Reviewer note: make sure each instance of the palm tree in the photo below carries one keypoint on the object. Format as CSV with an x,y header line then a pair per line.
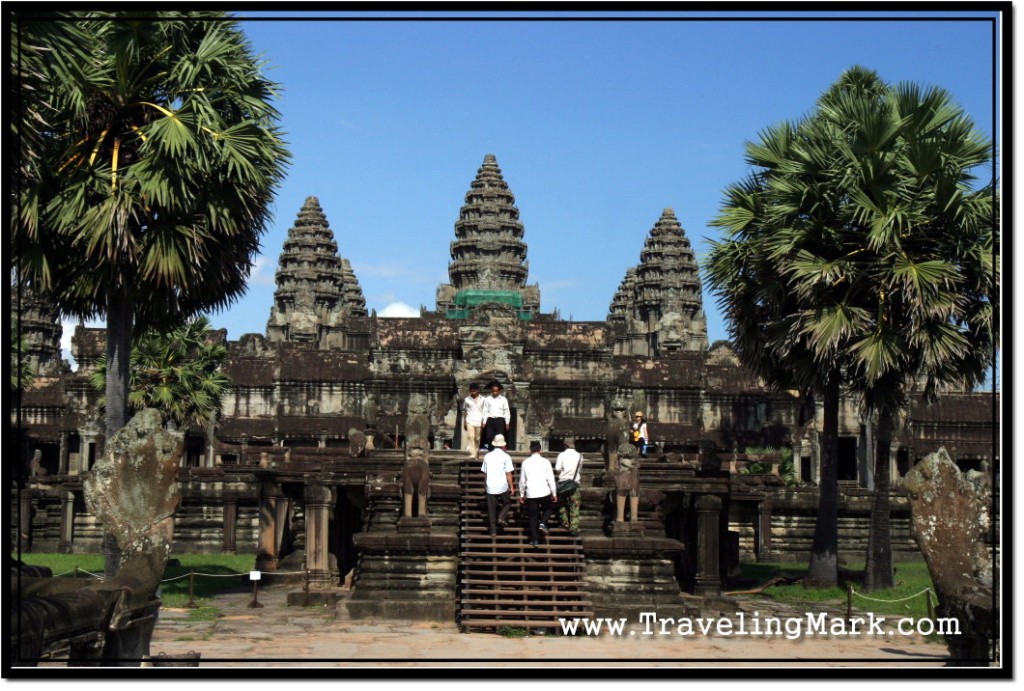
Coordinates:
x,y
863,217
922,241
158,164
150,181
777,323
178,373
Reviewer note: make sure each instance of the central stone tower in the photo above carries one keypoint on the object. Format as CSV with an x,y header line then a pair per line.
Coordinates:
x,y
488,255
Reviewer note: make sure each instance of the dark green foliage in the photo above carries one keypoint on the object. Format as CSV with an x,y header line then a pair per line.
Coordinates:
x,y
150,155
178,373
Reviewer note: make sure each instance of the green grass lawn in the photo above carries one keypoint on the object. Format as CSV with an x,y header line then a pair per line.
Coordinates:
x,y
173,593
911,577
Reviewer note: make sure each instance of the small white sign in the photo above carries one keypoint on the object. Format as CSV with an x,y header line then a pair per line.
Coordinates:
x,y
254,575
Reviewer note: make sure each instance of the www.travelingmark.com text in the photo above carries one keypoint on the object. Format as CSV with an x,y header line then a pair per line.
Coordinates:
x,y
743,624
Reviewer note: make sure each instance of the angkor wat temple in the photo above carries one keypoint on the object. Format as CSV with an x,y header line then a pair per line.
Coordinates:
x,y
277,476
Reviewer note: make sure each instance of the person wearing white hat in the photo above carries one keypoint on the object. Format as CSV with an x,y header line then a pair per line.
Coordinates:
x,y
500,485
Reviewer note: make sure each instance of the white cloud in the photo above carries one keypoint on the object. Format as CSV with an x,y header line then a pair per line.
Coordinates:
x,y
258,275
398,309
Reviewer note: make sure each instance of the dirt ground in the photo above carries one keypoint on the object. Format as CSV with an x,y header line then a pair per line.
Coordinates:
x,y
300,637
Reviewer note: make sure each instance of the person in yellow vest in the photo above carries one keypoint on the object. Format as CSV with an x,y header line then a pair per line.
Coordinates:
x,y
639,433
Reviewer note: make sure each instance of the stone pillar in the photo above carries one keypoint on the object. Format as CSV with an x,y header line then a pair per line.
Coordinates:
x,y
764,532
266,551
317,513
708,581
86,445
230,521
282,523
62,466
67,522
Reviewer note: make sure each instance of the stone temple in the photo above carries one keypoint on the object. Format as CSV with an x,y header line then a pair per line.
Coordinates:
x,y
304,468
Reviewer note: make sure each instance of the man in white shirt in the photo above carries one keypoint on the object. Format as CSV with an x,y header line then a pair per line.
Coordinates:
x,y
498,467
497,415
568,466
537,489
473,419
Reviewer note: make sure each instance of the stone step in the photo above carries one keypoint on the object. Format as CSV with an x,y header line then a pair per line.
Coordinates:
x,y
523,552
504,581
570,581
526,611
532,621
534,600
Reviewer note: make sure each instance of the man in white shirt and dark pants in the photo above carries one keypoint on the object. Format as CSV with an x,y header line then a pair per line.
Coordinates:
x,y
473,419
498,467
537,489
497,415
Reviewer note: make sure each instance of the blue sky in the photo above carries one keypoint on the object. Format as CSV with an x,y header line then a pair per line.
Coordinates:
x,y
597,127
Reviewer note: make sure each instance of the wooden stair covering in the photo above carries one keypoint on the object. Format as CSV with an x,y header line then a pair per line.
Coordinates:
x,y
503,581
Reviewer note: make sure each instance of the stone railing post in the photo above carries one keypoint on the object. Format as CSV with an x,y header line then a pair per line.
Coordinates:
x,y
708,581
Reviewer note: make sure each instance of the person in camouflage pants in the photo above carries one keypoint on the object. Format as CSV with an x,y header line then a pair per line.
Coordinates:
x,y
567,469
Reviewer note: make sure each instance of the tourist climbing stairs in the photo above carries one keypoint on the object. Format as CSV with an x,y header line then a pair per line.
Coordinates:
x,y
506,582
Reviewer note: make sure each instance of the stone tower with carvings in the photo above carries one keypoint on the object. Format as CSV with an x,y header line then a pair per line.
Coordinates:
x,y
317,292
658,308
488,255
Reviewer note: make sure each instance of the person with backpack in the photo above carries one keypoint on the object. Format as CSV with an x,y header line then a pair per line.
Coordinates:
x,y
567,468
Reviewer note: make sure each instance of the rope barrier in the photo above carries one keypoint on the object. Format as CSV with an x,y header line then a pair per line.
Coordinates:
x,y
185,575
176,578
902,599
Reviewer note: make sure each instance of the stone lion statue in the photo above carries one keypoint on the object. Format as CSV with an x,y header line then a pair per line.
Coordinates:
x,y
627,483
416,478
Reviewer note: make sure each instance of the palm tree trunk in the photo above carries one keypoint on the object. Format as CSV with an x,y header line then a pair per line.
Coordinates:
x,y
119,345
823,570
878,572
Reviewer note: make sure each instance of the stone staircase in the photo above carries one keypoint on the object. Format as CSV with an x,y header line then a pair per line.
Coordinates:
x,y
503,581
